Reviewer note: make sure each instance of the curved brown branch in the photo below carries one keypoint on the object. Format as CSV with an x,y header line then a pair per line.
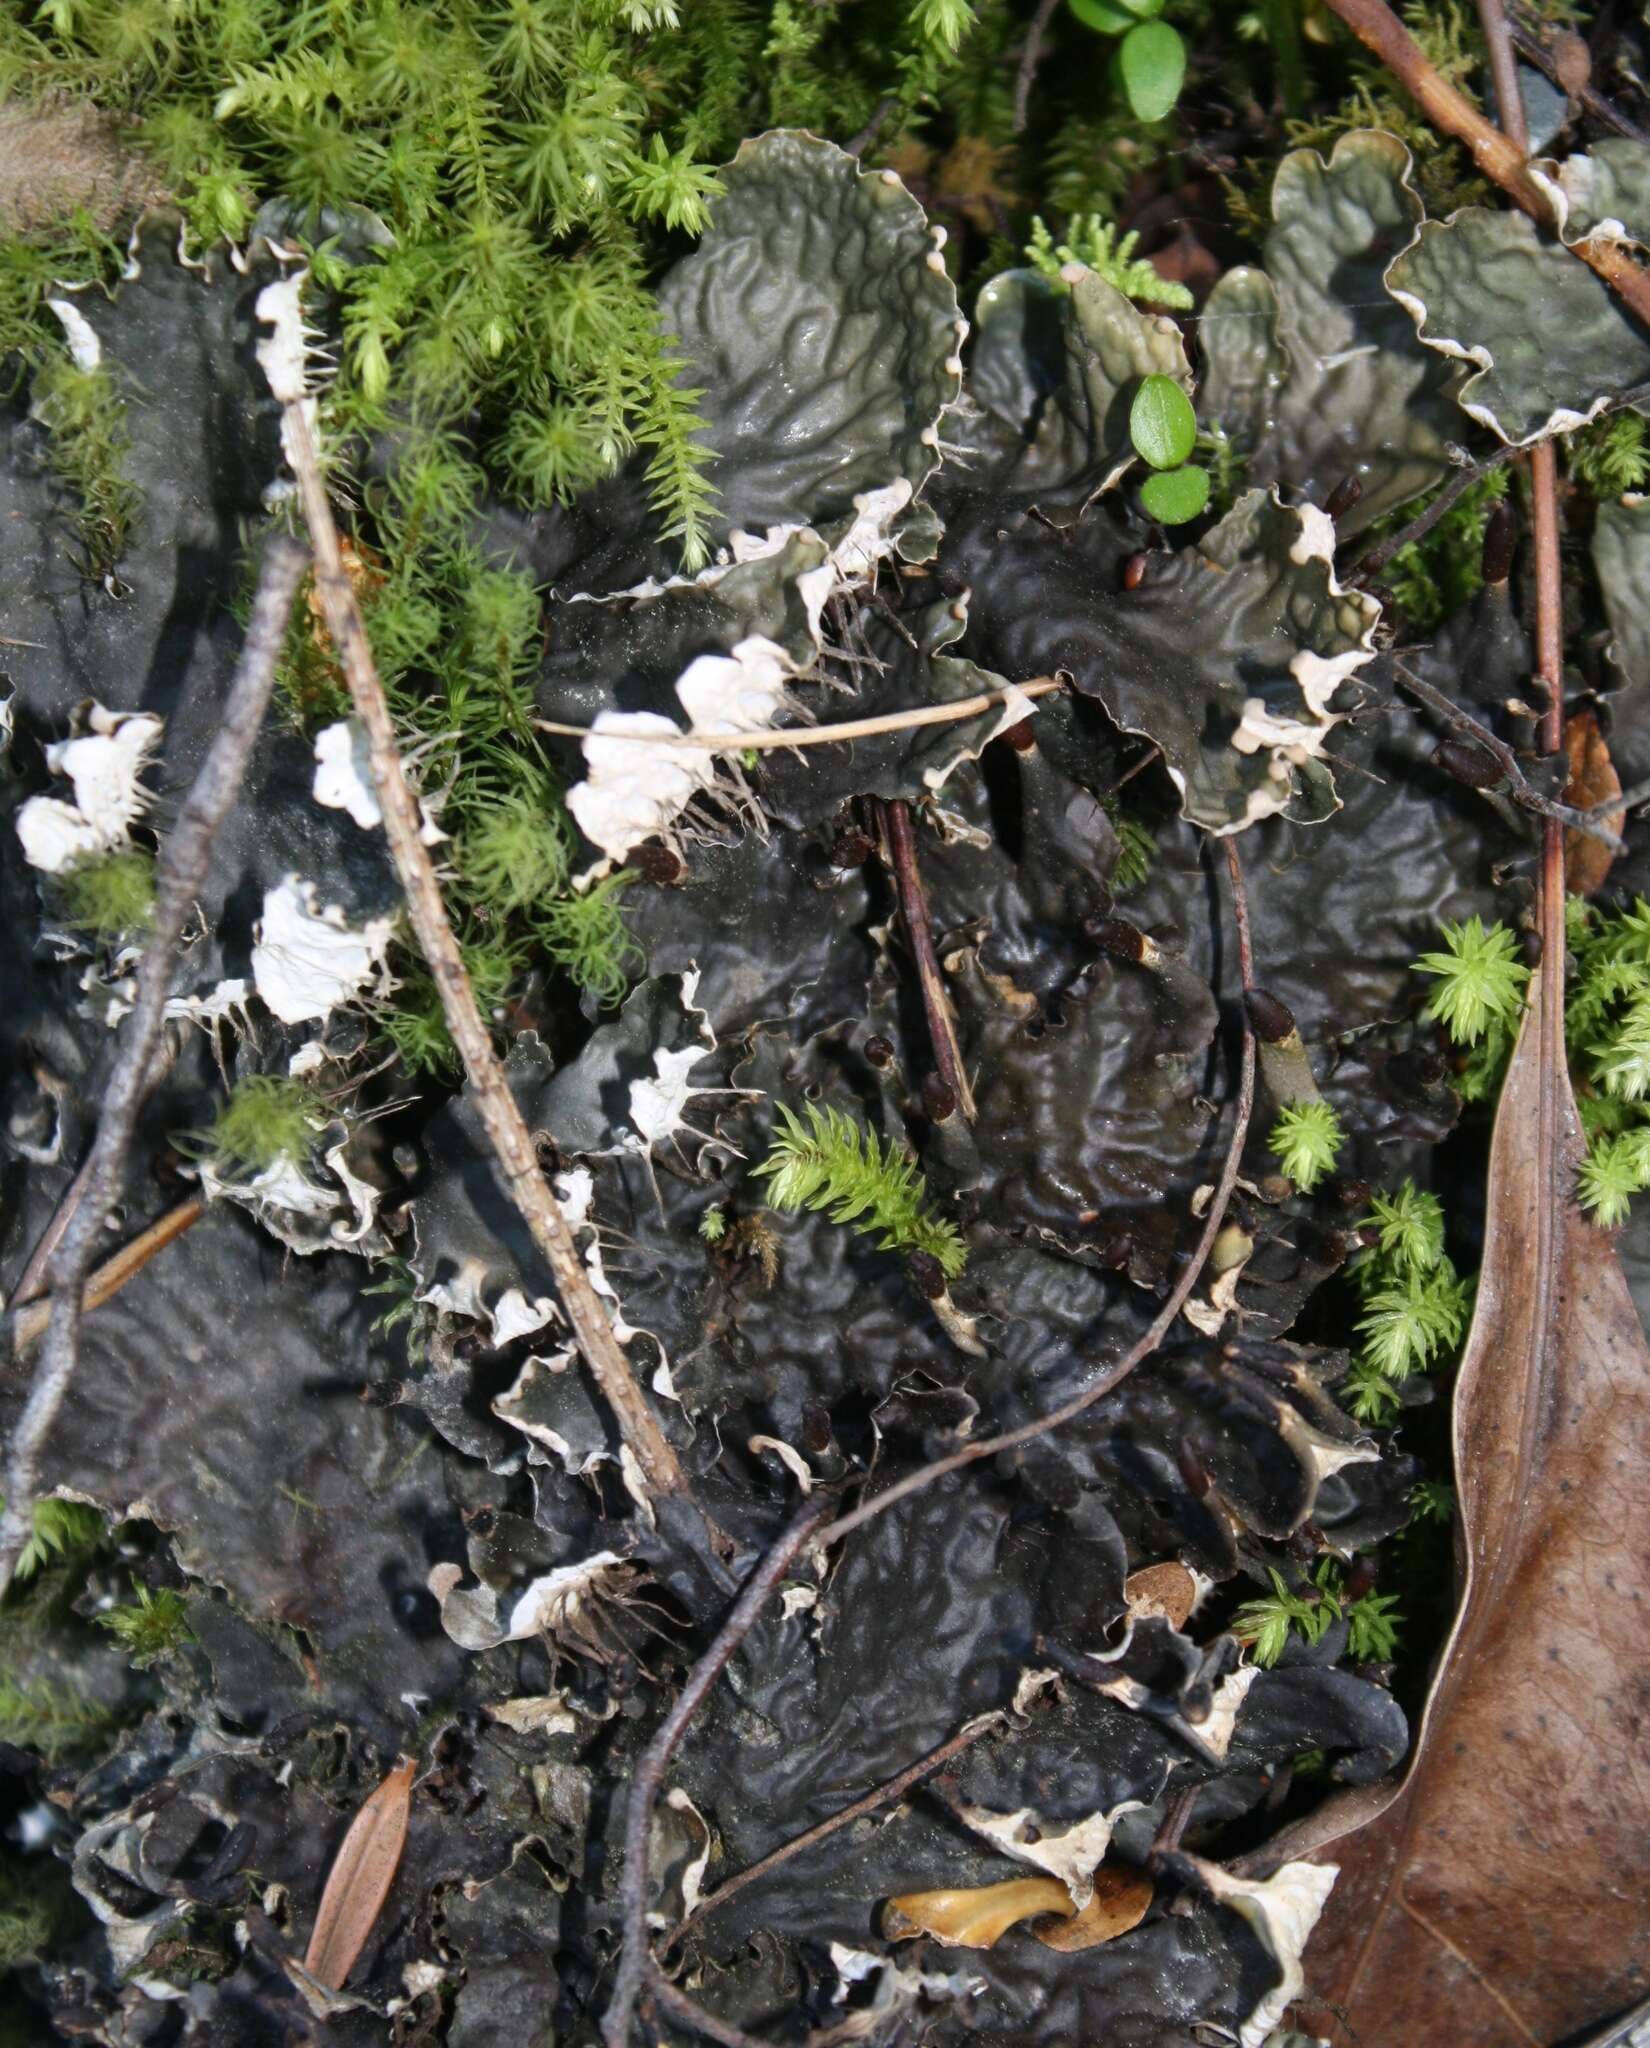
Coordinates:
x,y
881,1795
644,1785
180,875
1500,158
1114,1375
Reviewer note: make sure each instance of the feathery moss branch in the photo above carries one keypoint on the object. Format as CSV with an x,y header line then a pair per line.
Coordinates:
x,y
824,1160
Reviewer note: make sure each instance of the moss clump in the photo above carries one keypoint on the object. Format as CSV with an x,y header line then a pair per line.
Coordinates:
x,y
586,935
824,1160
266,1118
111,894
86,418
518,852
152,1627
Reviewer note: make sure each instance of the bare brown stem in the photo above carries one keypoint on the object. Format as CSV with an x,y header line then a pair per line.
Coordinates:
x,y
660,1468
180,876
1500,158
882,1795
109,1278
1030,58
1504,74
644,1785
1162,1322
1593,101
919,932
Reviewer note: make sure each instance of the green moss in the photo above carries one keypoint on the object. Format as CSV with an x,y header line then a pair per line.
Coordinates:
x,y
111,894
1306,1140
151,1628
1092,241
61,1528
587,937
56,1720
516,853
1434,576
1611,455
86,418
266,1118
824,1160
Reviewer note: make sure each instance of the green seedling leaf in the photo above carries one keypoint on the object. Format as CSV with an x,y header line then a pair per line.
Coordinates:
x,y
1111,17
1152,59
1173,496
1162,425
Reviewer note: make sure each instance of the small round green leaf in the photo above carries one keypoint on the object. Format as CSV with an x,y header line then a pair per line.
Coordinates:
x,y
1172,496
1105,17
1152,59
1162,425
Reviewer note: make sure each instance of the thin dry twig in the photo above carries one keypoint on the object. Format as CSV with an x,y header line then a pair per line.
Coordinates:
x,y
1179,1294
815,735
644,1785
660,1470
1424,521
1603,110
107,1280
1497,155
180,876
1422,524
1030,57
636,1969
881,1795
1516,786
919,932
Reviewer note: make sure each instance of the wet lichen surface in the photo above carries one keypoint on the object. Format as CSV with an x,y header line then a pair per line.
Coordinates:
x,y
341,1424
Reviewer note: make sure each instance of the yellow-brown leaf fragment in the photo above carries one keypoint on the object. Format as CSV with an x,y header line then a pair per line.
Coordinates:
x,y
360,1878
1593,780
973,1918
1120,1899
1168,1590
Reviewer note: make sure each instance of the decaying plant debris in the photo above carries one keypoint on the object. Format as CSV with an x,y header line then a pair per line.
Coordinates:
x,y
774,1228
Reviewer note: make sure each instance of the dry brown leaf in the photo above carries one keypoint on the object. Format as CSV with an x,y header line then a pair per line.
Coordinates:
x,y
974,1918
1120,1899
1161,1589
1501,1895
360,1878
1593,780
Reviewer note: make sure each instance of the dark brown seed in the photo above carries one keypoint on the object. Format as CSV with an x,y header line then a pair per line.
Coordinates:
x,y
1530,940
1134,571
1115,935
879,1052
657,864
1022,738
1271,1019
939,1099
1192,1468
1360,1579
1468,762
1500,543
927,1274
1572,61
1342,498
850,850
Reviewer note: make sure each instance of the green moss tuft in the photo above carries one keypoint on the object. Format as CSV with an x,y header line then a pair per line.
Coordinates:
x,y
586,935
86,419
824,1160
267,1118
153,1627
111,894
517,853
